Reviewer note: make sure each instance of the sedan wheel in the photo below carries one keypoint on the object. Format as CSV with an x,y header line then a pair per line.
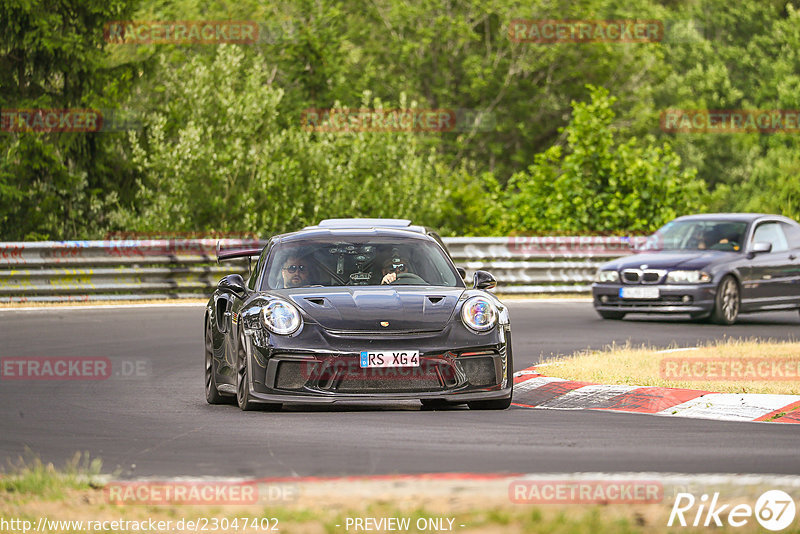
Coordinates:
x,y
212,394
727,302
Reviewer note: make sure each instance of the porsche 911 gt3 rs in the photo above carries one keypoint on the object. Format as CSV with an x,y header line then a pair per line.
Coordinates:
x,y
366,310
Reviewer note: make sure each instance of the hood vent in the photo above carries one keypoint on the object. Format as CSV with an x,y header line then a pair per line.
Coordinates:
x,y
318,301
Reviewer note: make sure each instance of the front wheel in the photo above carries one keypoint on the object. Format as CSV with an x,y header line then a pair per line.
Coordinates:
x,y
726,302
213,395
498,404
611,314
243,397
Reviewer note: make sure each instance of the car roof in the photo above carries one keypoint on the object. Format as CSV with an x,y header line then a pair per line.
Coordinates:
x,y
357,224
734,217
363,228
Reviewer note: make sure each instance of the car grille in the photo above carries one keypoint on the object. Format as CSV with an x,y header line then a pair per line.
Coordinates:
x,y
639,276
480,371
291,375
344,375
372,381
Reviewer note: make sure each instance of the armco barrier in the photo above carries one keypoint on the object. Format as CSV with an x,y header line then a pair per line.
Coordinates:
x,y
183,268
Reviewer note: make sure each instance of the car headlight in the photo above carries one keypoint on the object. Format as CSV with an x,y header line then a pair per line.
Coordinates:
x,y
688,277
281,317
479,313
606,276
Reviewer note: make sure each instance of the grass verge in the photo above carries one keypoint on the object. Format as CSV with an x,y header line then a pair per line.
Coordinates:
x,y
727,366
32,492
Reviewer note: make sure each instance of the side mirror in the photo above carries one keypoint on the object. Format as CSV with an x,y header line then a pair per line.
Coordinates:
x,y
233,283
760,247
483,280
461,272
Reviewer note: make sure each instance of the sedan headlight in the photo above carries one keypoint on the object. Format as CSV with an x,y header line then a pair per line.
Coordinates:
x,y
281,317
606,276
479,313
688,277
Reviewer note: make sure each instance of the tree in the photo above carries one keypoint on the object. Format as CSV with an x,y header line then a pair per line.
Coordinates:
x,y
597,183
57,185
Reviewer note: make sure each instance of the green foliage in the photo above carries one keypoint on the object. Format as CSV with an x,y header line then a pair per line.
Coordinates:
x,y
57,185
598,183
216,157
223,148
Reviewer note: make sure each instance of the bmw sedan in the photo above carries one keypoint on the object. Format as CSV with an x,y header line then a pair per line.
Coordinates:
x,y
713,266
365,310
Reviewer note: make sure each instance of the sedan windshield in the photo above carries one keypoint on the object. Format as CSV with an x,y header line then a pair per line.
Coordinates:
x,y
359,261
698,235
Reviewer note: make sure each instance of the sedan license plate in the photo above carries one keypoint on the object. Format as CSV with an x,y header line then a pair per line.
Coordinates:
x,y
638,293
389,358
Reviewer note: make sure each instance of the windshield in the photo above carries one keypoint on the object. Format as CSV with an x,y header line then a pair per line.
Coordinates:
x,y
698,235
359,261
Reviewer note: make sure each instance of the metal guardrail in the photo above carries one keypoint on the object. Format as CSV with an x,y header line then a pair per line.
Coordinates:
x,y
186,268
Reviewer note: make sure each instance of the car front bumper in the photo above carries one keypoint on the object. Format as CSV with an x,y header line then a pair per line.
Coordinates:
x,y
695,299
330,372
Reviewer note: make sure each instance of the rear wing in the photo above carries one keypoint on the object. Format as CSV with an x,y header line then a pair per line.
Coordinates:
x,y
231,254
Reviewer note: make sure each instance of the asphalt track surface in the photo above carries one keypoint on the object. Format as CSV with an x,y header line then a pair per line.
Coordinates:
x,y
158,424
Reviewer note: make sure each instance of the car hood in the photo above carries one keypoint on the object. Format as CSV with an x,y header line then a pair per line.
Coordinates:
x,y
356,309
671,260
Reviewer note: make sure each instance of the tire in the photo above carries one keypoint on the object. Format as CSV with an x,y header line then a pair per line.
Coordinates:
x,y
243,397
615,315
435,404
727,302
498,404
213,395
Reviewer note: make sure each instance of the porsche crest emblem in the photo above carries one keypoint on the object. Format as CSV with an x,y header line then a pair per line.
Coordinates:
x,y
384,323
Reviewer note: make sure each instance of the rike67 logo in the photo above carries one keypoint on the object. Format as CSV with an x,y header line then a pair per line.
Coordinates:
x,y
774,510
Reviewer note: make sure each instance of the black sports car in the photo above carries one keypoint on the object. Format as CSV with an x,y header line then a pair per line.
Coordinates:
x,y
356,310
709,266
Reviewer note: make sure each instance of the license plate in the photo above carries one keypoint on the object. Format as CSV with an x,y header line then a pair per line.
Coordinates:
x,y
638,293
389,358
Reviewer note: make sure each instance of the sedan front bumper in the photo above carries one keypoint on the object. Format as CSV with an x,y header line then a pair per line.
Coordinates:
x,y
695,299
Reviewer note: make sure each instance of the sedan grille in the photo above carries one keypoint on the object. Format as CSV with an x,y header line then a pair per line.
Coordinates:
x,y
646,276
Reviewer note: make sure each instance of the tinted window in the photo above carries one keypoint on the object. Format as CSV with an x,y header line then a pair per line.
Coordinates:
x,y
698,235
771,233
358,260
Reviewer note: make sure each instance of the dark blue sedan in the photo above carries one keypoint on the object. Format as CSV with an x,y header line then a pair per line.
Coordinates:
x,y
713,266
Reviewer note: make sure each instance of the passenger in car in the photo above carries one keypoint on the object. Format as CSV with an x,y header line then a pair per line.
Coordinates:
x,y
394,265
